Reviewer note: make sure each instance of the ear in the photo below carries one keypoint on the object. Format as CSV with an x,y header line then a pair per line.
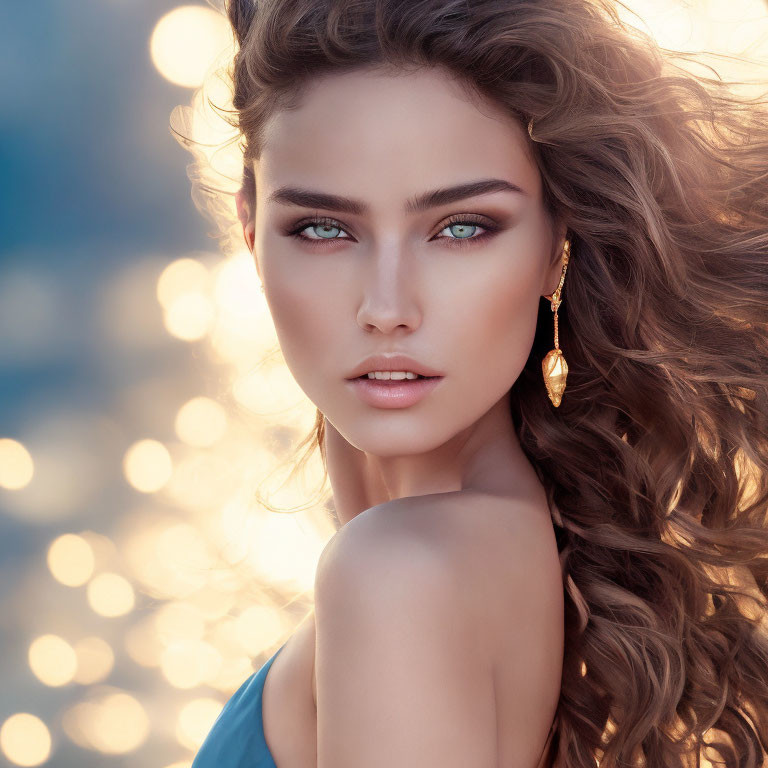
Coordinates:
x,y
245,214
555,269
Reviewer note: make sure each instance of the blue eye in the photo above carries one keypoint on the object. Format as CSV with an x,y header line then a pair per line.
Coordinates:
x,y
461,230
462,227
328,227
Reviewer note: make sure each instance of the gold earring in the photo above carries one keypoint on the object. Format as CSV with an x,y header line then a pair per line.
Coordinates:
x,y
553,366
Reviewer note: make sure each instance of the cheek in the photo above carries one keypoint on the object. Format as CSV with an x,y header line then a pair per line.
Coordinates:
x,y
498,323
304,324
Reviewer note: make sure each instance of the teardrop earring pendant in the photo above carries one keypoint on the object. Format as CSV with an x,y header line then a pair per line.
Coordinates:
x,y
553,366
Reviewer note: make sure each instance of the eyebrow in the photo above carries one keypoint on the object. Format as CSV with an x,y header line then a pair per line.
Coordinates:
x,y
308,198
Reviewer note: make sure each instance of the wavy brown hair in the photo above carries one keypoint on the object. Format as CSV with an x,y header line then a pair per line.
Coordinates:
x,y
656,463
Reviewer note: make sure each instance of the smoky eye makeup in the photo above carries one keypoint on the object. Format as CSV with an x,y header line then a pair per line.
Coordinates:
x,y
336,231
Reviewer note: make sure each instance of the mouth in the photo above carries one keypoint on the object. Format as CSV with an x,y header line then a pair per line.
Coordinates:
x,y
367,377
393,393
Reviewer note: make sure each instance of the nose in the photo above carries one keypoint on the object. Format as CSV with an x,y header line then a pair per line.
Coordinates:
x,y
390,291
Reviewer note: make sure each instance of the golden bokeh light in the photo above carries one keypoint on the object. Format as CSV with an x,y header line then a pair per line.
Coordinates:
x,y
195,720
270,391
287,490
243,333
142,643
202,481
241,342
224,637
284,554
110,721
188,663
103,548
52,660
156,557
177,621
110,594
182,764
212,602
233,673
201,422
237,527
66,473
184,546
70,559
25,739
95,660
180,277
147,465
258,628
16,465
183,291
187,41
237,288
189,317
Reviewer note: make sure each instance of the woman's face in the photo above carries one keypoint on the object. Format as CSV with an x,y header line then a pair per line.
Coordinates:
x,y
454,282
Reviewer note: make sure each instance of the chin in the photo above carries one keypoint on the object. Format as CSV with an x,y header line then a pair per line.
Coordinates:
x,y
396,438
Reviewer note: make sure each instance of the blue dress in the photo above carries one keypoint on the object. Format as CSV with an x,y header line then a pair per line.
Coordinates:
x,y
236,738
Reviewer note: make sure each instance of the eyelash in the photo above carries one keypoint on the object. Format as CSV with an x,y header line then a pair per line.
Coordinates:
x,y
459,242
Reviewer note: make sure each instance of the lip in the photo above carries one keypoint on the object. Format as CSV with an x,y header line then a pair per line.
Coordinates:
x,y
393,393
392,363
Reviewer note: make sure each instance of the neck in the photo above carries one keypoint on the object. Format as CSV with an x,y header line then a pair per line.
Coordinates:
x,y
484,457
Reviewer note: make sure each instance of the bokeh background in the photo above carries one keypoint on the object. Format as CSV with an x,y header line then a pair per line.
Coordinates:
x,y
155,545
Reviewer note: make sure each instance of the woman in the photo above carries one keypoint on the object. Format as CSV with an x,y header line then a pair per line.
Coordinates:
x,y
518,261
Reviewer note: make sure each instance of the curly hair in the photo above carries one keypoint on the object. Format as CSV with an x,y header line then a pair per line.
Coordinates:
x,y
656,463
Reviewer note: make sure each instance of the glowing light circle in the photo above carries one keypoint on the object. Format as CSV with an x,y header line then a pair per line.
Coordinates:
x,y
186,41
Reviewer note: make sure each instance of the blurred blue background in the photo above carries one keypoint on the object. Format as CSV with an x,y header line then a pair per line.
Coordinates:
x,y
131,603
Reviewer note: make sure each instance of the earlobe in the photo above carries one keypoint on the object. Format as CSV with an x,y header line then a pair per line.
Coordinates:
x,y
246,218
248,233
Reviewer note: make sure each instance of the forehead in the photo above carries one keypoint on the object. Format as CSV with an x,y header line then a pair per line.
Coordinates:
x,y
392,133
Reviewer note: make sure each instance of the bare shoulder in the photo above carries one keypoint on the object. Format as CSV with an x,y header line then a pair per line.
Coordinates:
x,y
468,519
415,600
489,548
